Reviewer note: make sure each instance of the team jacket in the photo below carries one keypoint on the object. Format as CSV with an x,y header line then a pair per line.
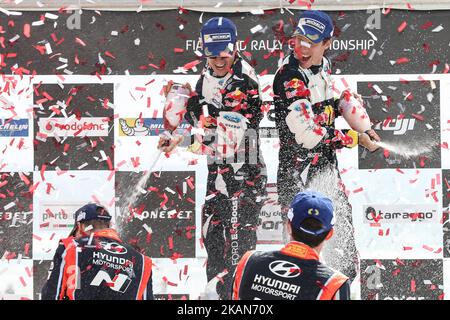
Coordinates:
x,y
293,273
100,267
311,88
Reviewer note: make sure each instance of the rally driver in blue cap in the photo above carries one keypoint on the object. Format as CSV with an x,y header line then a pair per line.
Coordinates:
x,y
305,110
226,105
295,272
93,263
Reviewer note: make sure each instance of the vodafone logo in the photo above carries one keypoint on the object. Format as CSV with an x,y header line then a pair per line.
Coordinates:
x,y
84,127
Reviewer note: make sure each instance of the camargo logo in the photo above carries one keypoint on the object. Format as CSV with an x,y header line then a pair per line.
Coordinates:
x,y
399,213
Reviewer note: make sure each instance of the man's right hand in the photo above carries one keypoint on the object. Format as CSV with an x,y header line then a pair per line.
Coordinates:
x,y
365,141
168,145
168,86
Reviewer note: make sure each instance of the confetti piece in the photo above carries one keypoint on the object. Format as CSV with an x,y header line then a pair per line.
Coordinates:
x,y
256,29
413,285
358,190
402,26
438,29
27,30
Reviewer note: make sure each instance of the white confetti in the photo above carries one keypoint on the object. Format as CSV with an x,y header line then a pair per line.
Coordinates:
x,y
82,166
433,85
169,190
372,35
15,38
172,214
256,29
439,28
137,42
103,154
257,11
114,33
10,13
147,228
212,195
9,205
48,48
377,89
52,16
37,23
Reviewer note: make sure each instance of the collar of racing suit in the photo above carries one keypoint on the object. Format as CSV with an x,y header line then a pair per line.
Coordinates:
x,y
108,233
300,250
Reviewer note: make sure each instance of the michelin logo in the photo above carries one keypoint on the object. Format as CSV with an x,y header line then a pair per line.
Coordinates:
x,y
14,128
217,37
312,23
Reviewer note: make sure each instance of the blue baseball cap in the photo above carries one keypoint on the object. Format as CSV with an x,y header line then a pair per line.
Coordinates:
x,y
314,25
311,204
90,211
218,35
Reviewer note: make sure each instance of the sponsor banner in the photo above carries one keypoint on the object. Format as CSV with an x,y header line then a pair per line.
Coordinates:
x,y
407,118
16,217
158,213
58,216
134,127
83,127
401,213
365,41
270,227
402,279
73,127
14,128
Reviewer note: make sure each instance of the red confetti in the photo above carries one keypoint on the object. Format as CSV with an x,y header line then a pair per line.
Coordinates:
x,y
402,26
426,25
402,60
81,42
358,190
27,30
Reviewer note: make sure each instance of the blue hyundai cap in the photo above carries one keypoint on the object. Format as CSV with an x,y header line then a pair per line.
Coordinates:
x,y
218,35
314,25
90,211
311,204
